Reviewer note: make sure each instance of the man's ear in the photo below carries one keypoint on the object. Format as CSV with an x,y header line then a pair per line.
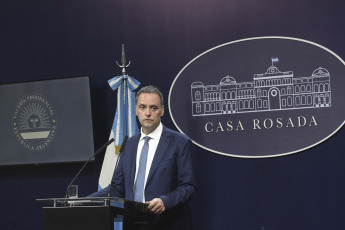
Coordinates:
x,y
162,113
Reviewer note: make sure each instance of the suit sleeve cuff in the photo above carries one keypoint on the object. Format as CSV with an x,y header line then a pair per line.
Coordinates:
x,y
165,201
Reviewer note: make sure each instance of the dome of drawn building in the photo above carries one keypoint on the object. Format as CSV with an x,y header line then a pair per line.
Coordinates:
x,y
197,84
320,72
228,81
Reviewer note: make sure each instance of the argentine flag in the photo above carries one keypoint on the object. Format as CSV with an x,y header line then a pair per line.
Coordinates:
x,y
124,124
275,60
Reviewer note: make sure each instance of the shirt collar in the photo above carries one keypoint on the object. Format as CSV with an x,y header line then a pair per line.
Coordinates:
x,y
155,134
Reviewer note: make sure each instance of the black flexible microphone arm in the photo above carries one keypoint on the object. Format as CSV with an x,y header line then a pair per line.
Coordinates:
x,y
117,161
96,153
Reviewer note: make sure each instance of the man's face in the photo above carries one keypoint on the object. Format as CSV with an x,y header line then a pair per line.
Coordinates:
x,y
149,111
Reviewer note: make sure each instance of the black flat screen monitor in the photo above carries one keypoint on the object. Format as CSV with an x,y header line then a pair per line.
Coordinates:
x,y
46,122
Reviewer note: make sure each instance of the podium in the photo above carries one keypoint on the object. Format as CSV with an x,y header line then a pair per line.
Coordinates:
x,y
91,213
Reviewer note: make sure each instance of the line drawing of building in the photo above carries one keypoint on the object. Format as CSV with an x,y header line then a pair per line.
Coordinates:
x,y
270,91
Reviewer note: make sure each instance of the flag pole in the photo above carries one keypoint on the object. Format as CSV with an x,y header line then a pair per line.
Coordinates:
x,y
124,124
123,61
123,66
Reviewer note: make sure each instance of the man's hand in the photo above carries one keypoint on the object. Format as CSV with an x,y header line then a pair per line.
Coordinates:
x,y
156,206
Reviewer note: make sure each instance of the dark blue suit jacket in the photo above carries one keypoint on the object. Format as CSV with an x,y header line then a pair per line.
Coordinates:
x,y
171,178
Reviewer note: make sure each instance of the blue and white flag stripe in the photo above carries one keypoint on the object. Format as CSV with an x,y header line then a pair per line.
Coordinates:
x,y
275,60
124,124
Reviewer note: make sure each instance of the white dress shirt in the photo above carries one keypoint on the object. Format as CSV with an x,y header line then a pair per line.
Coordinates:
x,y
155,135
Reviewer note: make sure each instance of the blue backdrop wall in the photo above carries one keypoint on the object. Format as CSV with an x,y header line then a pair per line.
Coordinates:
x,y
43,39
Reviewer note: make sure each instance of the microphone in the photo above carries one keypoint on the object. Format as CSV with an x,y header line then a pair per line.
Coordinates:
x,y
96,153
117,161
123,144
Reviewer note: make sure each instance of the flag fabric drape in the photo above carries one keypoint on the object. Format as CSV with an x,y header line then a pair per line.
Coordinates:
x,y
124,124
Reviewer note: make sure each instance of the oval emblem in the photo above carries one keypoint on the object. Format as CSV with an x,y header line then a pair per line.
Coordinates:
x,y
34,122
260,97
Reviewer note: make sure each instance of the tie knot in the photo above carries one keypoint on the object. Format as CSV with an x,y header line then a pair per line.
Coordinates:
x,y
147,138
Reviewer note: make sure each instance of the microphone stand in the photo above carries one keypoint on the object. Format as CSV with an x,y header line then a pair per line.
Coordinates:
x,y
96,153
117,161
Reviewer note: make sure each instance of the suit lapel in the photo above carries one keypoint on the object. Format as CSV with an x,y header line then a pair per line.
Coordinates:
x,y
160,151
132,159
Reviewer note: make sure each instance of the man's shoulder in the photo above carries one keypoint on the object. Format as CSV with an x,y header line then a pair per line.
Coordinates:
x,y
135,137
175,134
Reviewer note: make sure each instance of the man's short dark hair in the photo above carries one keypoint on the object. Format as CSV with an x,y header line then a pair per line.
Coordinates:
x,y
150,89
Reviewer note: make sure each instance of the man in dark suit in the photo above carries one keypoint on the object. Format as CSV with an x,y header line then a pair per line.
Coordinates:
x,y
168,179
